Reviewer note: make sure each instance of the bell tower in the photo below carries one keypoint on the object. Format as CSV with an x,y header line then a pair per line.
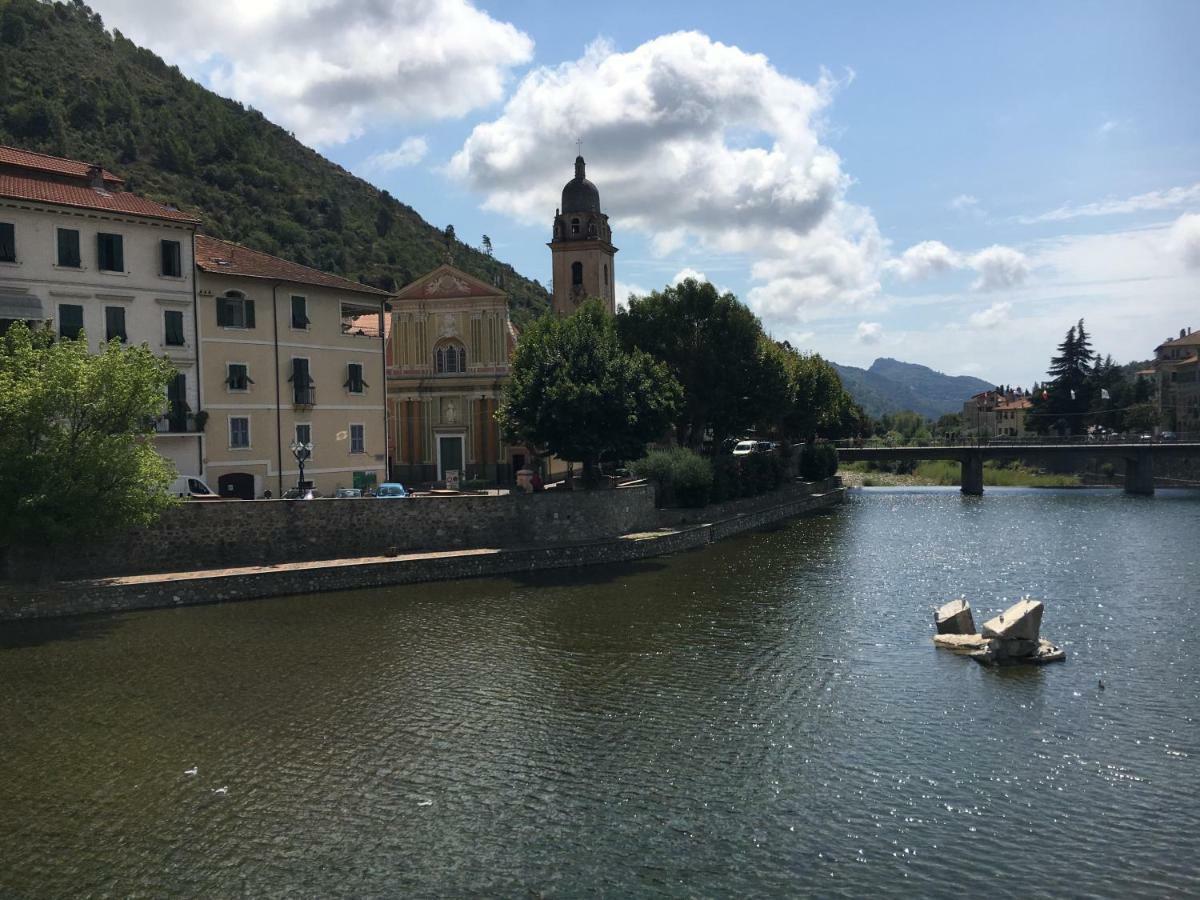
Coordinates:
x,y
582,249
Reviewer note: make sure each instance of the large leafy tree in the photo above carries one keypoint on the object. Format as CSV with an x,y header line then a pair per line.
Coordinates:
x,y
576,392
76,457
816,403
714,346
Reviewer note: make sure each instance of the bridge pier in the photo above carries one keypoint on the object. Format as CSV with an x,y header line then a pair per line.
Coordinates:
x,y
1139,473
972,473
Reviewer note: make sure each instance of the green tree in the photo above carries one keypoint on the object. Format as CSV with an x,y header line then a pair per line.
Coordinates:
x,y
1068,394
76,458
578,394
817,403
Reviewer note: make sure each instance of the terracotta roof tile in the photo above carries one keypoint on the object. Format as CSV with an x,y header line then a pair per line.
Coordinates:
x,y
56,193
27,159
227,258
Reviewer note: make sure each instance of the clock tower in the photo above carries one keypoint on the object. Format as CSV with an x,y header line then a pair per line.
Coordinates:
x,y
582,248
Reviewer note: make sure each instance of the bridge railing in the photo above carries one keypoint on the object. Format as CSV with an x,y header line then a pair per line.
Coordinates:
x,y
1087,440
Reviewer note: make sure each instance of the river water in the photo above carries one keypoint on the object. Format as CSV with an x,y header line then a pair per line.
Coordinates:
x,y
765,717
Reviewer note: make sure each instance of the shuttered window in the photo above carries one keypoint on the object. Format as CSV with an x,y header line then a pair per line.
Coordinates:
x,y
173,322
68,248
172,262
8,242
354,381
110,252
114,324
235,312
70,320
299,312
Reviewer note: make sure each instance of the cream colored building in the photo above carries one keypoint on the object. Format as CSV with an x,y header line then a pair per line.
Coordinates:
x,y
447,362
290,354
1177,373
80,252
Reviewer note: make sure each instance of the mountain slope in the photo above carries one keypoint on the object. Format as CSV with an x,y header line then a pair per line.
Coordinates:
x,y
69,88
893,386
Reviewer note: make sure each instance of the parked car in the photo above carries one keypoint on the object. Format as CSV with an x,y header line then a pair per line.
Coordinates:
x,y
192,488
300,494
391,490
1168,436
745,448
348,493
1146,436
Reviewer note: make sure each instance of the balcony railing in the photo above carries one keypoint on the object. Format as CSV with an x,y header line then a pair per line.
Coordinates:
x,y
176,423
304,396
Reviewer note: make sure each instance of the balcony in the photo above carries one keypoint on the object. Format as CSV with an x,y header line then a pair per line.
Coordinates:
x,y
177,423
304,396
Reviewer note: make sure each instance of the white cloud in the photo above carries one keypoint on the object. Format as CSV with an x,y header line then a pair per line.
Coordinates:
x,y
622,290
1108,127
686,273
410,152
997,266
691,142
964,202
869,333
1184,239
1152,200
327,68
994,315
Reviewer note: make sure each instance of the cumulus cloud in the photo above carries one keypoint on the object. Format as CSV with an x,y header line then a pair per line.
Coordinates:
x,y
688,272
1152,200
1184,239
964,202
998,266
325,68
410,152
691,142
869,333
994,315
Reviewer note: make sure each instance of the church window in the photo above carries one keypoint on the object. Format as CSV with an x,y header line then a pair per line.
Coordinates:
x,y
574,226
449,358
576,273
606,274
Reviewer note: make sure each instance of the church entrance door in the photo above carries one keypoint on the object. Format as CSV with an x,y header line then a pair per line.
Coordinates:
x,y
449,454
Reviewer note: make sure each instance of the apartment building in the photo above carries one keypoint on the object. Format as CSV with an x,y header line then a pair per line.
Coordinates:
x,y
1177,381
292,356
80,252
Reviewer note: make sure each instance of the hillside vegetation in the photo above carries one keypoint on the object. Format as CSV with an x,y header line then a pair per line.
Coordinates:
x,y
891,386
70,88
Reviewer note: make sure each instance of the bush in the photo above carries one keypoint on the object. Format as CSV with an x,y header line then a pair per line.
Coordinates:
x,y
818,461
683,477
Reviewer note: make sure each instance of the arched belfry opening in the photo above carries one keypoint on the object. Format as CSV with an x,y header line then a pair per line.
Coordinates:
x,y
582,249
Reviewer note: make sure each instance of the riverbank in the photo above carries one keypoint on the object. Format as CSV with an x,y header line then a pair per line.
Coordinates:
x,y
946,473
215,585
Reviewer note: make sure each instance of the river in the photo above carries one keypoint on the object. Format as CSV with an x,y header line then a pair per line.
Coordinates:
x,y
766,717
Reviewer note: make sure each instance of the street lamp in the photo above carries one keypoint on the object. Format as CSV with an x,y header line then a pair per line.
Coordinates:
x,y
302,452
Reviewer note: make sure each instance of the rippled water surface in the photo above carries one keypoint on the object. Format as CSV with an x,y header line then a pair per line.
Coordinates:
x,y
764,717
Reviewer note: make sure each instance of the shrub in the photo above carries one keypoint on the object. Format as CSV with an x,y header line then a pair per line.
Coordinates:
x,y
818,461
683,477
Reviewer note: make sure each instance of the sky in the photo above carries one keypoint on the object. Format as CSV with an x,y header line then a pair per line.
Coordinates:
x,y
947,183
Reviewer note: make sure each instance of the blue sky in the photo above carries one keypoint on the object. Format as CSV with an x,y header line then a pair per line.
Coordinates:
x,y
945,183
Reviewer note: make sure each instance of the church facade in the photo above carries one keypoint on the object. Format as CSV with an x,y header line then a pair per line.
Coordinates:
x,y
448,348
582,251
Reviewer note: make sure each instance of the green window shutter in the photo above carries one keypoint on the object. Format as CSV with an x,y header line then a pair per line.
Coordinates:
x,y
222,312
114,323
118,253
70,320
68,248
174,323
8,242
171,261
249,313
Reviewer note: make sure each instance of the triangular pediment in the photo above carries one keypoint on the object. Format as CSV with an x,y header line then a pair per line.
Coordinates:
x,y
447,283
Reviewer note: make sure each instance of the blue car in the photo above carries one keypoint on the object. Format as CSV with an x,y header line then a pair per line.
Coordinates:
x,y
391,491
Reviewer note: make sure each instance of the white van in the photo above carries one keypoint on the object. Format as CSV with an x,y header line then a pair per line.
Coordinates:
x,y
190,486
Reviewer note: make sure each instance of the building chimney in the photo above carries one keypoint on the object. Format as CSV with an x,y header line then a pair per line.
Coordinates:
x,y
95,176
1182,333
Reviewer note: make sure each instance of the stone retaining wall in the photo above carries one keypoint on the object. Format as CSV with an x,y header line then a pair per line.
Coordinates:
x,y
83,597
205,535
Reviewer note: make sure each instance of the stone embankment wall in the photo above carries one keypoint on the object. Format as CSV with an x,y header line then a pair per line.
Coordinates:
x,y
205,535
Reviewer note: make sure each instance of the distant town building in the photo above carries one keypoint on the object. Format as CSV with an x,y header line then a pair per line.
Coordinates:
x,y
290,354
997,414
80,252
1176,372
448,357
582,250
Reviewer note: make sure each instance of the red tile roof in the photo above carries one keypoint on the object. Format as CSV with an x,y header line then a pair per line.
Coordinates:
x,y
56,193
27,159
227,258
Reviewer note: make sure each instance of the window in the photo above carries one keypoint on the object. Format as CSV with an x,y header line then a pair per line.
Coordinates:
x,y
577,274
177,405
358,443
239,432
235,311
237,377
8,242
173,320
450,357
172,261
110,252
70,321
606,274
299,312
359,319
354,381
114,324
574,226
304,433
68,248
302,382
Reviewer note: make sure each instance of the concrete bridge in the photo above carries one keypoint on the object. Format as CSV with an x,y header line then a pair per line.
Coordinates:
x,y
1137,457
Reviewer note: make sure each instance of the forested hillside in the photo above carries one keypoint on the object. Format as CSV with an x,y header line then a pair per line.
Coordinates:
x,y
70,88
891,386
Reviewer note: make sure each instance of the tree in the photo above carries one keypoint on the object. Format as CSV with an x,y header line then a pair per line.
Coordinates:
x,y
578,394
76,458
1064,401
714,347
487,245
816,403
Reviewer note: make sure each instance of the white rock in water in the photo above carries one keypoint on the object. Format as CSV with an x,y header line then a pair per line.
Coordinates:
x,y
1021,621
955,618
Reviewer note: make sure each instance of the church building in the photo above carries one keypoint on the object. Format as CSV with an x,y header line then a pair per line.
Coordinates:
x,y
582,249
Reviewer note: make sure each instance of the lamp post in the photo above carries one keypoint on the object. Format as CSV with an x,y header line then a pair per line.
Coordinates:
x,y
302,452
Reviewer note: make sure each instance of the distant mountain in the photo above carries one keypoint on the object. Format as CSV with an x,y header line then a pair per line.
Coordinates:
x,y
891,386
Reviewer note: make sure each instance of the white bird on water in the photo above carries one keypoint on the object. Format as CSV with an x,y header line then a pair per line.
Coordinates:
x,y
221,790
192,771
425,803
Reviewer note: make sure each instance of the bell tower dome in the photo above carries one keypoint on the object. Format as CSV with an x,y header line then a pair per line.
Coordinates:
x,y
582,250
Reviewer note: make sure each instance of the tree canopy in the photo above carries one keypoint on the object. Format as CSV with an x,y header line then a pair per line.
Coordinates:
x,y
76,456
575,392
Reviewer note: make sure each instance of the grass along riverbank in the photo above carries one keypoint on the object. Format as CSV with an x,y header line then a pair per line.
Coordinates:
x,y
948,473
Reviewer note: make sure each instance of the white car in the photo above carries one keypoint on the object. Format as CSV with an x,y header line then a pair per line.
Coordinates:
x,y
191,487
